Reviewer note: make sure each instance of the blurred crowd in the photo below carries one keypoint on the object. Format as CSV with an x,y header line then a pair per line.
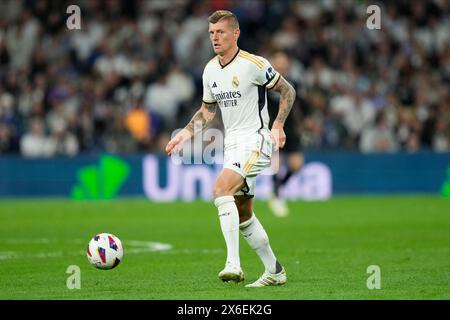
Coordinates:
x,y
132,73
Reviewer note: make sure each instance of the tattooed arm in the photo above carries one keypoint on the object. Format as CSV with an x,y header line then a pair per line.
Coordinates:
x,y
287,98
203,115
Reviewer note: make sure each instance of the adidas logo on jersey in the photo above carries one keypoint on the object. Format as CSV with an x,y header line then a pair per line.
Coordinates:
x,y
214,85
237,164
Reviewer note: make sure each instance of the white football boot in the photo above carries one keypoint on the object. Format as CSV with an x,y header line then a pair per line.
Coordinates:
x,y
269,279
278,207
231,273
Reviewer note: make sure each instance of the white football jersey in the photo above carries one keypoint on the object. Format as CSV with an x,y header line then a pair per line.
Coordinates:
x,y
240,90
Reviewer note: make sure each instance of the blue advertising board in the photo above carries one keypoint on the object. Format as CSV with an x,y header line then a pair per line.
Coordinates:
x,y
160,179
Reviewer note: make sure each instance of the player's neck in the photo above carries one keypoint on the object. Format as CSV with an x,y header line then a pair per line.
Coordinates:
x,y
227,56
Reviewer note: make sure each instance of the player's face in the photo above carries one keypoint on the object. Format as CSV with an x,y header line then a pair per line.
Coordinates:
x,y
223,37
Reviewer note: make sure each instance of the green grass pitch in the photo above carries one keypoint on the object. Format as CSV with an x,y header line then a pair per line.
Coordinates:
x,y
326,248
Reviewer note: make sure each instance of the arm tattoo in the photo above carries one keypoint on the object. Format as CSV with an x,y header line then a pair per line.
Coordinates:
x,y
193,124
201,118
287,98
211,107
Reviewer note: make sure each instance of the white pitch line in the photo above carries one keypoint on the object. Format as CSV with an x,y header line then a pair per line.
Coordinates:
x,y
7,255
130,247
146,246
28,240
137,246
191,251
37,255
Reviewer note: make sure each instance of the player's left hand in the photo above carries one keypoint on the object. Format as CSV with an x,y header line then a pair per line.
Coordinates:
x,y
278,136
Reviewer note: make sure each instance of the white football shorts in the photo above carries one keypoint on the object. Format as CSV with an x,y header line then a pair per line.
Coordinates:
x,y
249,156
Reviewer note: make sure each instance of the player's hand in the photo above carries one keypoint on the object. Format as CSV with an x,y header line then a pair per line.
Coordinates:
x,y
176,143
278,136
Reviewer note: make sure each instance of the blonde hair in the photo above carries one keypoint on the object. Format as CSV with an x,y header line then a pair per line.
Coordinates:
x,y
224,15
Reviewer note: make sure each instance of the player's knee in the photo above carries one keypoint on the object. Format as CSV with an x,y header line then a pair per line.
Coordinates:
x,y
296,167
244,215
243,218
296,162
221,190
223,200
217,192
245,211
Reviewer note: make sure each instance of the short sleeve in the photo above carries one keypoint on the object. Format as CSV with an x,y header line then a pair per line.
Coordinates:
x,y
208,97
266,75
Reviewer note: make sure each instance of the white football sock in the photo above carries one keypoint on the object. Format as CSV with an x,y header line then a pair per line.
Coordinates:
x,y
257,238
229,222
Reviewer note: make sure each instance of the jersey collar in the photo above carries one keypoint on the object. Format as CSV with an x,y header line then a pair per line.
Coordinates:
x,y
232,59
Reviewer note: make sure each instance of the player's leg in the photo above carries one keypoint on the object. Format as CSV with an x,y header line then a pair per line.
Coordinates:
x,y
228,183
294,163
255,234
257,238
278,206
278,157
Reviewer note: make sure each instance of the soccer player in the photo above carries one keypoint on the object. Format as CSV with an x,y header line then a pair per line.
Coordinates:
x,y
292,151
237,82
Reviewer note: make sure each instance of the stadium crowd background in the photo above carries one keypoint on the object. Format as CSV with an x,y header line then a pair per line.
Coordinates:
x,y
132,73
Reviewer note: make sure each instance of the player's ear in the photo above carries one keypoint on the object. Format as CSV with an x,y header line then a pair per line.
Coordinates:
x,y
237,33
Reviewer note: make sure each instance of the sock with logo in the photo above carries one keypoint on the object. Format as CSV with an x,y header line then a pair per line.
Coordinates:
x,y
229,222
257,238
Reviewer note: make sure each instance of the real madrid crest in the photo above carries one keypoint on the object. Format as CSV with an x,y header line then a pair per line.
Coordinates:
x,y
235,82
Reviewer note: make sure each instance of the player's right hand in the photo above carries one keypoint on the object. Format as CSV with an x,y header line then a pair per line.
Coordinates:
x,y
176,143
278,136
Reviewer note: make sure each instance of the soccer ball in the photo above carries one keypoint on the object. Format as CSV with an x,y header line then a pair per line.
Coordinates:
x,y
105,251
